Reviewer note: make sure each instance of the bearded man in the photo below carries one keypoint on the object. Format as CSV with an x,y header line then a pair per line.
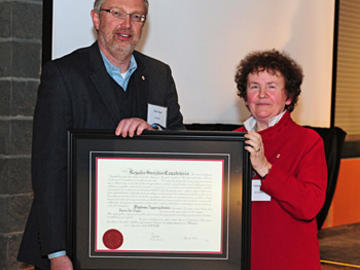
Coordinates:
x,y
108,85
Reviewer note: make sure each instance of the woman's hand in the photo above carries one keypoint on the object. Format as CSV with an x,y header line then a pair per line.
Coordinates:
x,y
255,147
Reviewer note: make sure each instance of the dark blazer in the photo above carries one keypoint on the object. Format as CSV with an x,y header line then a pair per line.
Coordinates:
x,y
76,92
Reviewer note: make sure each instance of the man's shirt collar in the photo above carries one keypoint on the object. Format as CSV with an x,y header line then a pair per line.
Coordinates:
x,y
121,79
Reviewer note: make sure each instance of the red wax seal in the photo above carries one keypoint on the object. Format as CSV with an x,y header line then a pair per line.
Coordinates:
x,y
113,239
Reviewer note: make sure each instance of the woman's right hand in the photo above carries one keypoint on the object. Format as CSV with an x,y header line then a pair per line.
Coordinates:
x,y
254,145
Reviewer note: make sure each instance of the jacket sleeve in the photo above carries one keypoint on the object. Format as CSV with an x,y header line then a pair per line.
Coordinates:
x,y
174,118
300,192
52,119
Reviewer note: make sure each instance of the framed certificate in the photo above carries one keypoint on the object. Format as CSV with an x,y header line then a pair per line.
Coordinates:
x,y
162,200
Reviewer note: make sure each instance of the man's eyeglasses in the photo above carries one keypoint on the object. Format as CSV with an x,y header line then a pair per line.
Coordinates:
x,y
119,14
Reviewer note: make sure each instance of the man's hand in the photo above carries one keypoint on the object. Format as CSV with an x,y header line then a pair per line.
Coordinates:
x,y
61,263
130,126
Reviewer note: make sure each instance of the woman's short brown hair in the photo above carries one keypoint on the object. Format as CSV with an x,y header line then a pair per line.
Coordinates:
x,y
271,61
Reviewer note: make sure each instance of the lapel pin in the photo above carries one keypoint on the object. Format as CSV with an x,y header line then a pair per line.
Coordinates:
x,y
278,156
143,77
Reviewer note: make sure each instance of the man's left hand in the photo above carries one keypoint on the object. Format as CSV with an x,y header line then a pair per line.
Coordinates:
x,y
131,126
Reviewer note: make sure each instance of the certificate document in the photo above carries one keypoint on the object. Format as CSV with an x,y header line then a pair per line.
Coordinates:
x,y
159,205
163,200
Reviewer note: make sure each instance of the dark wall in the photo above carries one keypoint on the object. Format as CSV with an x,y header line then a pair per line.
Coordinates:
x,y
20,53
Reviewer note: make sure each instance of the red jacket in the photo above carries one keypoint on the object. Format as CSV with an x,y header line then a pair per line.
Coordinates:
x,y
284,230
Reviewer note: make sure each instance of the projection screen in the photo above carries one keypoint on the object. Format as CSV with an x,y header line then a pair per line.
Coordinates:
x,y
204,40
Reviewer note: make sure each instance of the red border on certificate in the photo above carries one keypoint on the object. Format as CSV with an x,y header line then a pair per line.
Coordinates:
x,y
113,237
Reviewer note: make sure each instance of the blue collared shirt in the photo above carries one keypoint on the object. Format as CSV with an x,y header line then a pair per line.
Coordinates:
x,y
121,79
56,254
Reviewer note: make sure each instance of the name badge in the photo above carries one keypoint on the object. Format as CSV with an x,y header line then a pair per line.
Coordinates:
x,y
157,115
256,194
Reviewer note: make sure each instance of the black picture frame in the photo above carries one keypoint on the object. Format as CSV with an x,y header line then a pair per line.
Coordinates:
x,y
87,147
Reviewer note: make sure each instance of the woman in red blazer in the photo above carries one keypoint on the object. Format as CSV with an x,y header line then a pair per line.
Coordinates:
x,y
289,187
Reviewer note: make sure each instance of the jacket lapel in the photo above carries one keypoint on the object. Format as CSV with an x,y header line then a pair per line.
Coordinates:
x,y
141,81
102,83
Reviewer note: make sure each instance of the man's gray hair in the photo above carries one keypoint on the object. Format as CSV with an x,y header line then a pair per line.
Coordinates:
x,y
99,3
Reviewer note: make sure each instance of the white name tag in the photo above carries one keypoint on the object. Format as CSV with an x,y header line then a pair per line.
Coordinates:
x,y
256,194
157,115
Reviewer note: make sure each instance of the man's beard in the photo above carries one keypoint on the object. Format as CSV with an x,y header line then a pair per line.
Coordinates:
x,y
121,52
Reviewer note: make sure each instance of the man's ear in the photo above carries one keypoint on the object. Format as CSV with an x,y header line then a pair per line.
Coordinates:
x,y
95,16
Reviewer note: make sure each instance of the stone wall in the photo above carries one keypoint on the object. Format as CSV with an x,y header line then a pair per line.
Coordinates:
x,y
20,61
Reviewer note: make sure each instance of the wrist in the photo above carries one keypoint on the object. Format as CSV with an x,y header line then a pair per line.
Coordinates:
x,y
265,171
